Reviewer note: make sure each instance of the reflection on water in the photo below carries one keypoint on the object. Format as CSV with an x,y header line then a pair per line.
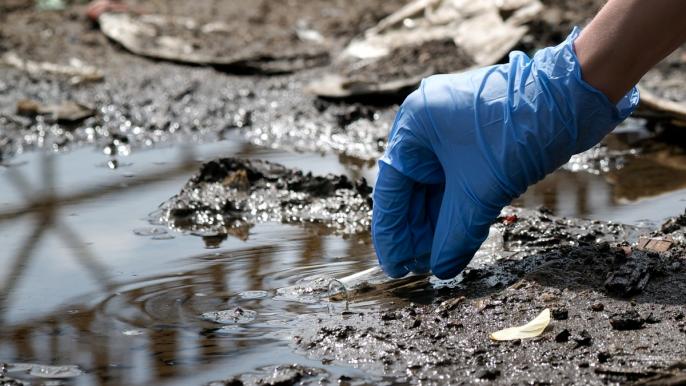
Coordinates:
x,y
87,282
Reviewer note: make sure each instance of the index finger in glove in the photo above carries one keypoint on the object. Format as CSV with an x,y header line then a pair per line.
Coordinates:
x,y
391,233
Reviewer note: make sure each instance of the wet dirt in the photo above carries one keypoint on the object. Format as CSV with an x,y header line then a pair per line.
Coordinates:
x,y
630,337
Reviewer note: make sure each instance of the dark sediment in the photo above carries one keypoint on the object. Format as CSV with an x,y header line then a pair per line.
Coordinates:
x,y
584,344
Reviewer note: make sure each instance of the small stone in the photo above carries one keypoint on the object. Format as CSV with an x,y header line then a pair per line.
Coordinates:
x,y
603,356
449,305
489,374
628,320
584,339
389,316
652,319
548,297
597,307
563,336
559,313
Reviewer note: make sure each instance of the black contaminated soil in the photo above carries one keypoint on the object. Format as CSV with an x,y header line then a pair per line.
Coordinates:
x,y
618,314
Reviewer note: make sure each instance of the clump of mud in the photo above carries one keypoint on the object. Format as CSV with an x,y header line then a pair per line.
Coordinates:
x,y
230,195
617,312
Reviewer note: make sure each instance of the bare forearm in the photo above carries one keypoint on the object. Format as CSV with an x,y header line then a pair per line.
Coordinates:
x,y
626,39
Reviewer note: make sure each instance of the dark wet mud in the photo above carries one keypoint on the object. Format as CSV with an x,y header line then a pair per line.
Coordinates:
x,y
617,313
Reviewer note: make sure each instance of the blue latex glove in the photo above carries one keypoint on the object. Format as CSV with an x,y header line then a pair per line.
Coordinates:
x,y
464,145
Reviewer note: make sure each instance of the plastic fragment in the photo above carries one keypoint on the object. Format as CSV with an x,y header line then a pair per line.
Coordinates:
x,y
530,330
655,244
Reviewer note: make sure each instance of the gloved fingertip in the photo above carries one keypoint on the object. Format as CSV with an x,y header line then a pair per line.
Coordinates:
x,y
395,270
449,271
461,228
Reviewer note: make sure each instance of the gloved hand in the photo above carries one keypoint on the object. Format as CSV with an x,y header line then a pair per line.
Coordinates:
x,y
464,145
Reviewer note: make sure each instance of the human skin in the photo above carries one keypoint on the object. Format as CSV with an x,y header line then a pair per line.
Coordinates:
x,y
627,38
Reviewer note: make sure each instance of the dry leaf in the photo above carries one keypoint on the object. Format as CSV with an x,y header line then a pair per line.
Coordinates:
x,y
532,329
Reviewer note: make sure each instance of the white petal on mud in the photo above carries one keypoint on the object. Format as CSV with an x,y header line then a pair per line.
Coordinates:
x,y
45,371
530,330
236,315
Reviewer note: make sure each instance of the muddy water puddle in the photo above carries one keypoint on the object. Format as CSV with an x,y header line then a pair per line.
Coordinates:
x,y
87,281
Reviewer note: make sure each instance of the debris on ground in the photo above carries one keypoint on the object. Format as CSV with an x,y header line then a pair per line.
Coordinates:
x,y
76,70
66,111
655,244
530,330
627,320
182,39
599,280
631,275
98,7
425,38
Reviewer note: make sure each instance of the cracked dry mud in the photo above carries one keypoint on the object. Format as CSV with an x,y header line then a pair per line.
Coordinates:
x,y
605,329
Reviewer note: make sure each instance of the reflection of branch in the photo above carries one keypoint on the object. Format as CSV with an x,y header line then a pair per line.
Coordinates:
x,y
84,255
89,194
20,262
48,174
20,184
